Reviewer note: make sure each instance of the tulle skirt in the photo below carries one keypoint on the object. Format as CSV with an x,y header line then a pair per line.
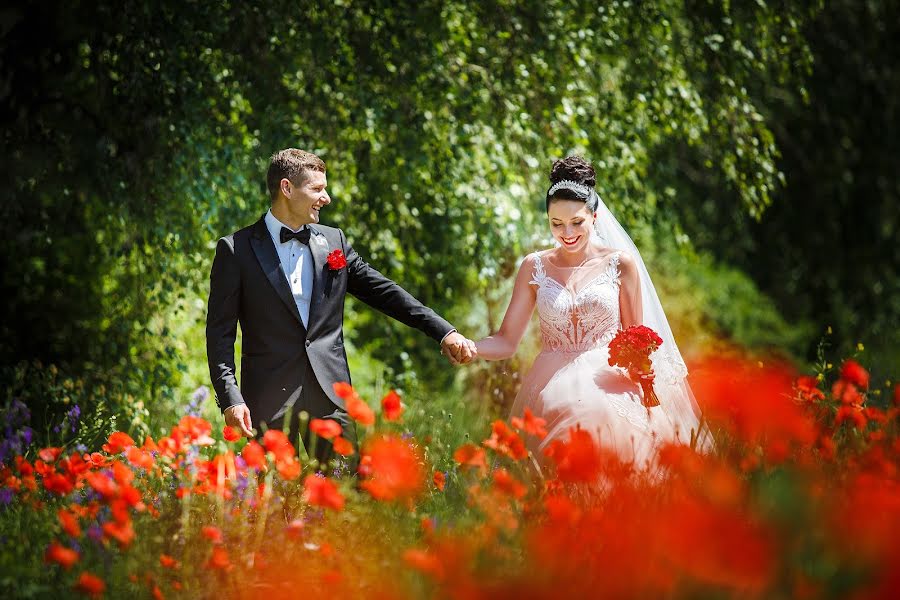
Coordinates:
x,y
570,389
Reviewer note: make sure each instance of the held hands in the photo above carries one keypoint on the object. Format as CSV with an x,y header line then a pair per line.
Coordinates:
x,y
238,417
458,349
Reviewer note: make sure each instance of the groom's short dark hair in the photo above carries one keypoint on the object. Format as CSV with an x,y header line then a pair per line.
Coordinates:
x,y
291,163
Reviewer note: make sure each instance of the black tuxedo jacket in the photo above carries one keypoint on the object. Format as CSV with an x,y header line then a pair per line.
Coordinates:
x,y
248,285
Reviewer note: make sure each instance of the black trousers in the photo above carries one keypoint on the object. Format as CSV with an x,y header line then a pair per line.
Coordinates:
x,y
313,401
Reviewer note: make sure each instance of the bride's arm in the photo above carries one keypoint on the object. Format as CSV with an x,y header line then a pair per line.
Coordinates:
x,y
631,310
503,344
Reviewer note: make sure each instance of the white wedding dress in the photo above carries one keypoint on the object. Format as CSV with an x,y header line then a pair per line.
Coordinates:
x,y
571,382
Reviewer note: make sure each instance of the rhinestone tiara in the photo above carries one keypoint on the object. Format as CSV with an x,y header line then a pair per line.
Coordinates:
x,y
569,185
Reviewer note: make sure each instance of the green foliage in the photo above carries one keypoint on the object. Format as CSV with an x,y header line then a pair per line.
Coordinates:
x,y
826,250
139,135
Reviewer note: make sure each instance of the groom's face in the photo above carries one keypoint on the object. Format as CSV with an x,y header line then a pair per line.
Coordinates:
x,y
307,199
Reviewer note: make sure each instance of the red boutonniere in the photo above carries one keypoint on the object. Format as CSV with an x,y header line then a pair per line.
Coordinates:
x,y
336,260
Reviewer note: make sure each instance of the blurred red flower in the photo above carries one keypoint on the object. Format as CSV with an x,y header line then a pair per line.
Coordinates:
x,y
530,424
254,455
325,428
212,533
321,491
278,444
230,434
360,411
851,413
69,523
439,480
219,559
391,407
854,372
139,458
117,442
578,459
90,584
470,455
395,470
505,441
342,446
506,483
808,388
65,557
846,392
168,562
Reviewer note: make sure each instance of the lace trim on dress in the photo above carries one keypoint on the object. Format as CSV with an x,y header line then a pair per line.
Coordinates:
x,y
579,321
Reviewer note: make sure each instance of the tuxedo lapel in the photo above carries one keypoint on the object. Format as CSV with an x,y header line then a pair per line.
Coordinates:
x,y
318,247
264,248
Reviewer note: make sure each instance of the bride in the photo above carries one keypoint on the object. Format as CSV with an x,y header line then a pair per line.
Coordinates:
x,y
587,289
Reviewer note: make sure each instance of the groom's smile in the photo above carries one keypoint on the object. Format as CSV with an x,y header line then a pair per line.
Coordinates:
x,y
306,200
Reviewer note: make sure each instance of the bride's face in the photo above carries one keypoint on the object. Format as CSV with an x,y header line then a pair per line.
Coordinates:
x,y
571,224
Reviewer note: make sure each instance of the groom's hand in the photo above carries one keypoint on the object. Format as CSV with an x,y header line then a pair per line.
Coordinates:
x,y
238,417
459,349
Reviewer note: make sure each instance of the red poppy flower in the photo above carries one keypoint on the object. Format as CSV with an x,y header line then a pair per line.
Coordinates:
x,y
230,434
440,480
117,442
168,562
212,533
506,483
278,444
336,260
360,411
530,424
854,372
102,484
58,484
90,584
851,413
139,458
506,441
289,469
49,455
123,533
577,460
808,388
470,455
65,557
396,471
320,491
219,559
196,430
325,428
846,392
69,523
254,455
343,389
343,446
391,407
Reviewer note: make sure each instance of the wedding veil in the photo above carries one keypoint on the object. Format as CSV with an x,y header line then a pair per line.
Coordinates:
x,y
675,396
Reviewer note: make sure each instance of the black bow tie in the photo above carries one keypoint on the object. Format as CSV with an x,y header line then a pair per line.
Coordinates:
x,y
301,236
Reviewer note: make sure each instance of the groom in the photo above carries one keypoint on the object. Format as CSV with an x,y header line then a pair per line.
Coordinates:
x,y
284,279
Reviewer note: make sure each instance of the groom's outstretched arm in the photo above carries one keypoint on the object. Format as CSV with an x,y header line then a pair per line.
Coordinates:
x,y
379,292
221,324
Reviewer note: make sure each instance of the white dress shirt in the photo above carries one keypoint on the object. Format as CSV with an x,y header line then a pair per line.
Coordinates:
x,y
296,261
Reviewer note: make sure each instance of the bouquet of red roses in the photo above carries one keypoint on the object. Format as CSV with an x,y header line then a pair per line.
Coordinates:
x,y
631,350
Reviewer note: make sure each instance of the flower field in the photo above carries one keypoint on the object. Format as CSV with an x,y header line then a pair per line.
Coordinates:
x,y
798,498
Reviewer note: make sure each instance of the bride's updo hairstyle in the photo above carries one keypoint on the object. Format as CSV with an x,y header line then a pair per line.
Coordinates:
x,y
573,178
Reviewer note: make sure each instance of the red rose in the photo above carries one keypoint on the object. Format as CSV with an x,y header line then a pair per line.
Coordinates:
x,y
336,260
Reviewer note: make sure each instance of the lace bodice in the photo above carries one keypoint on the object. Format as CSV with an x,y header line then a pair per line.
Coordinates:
x,y
577,321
